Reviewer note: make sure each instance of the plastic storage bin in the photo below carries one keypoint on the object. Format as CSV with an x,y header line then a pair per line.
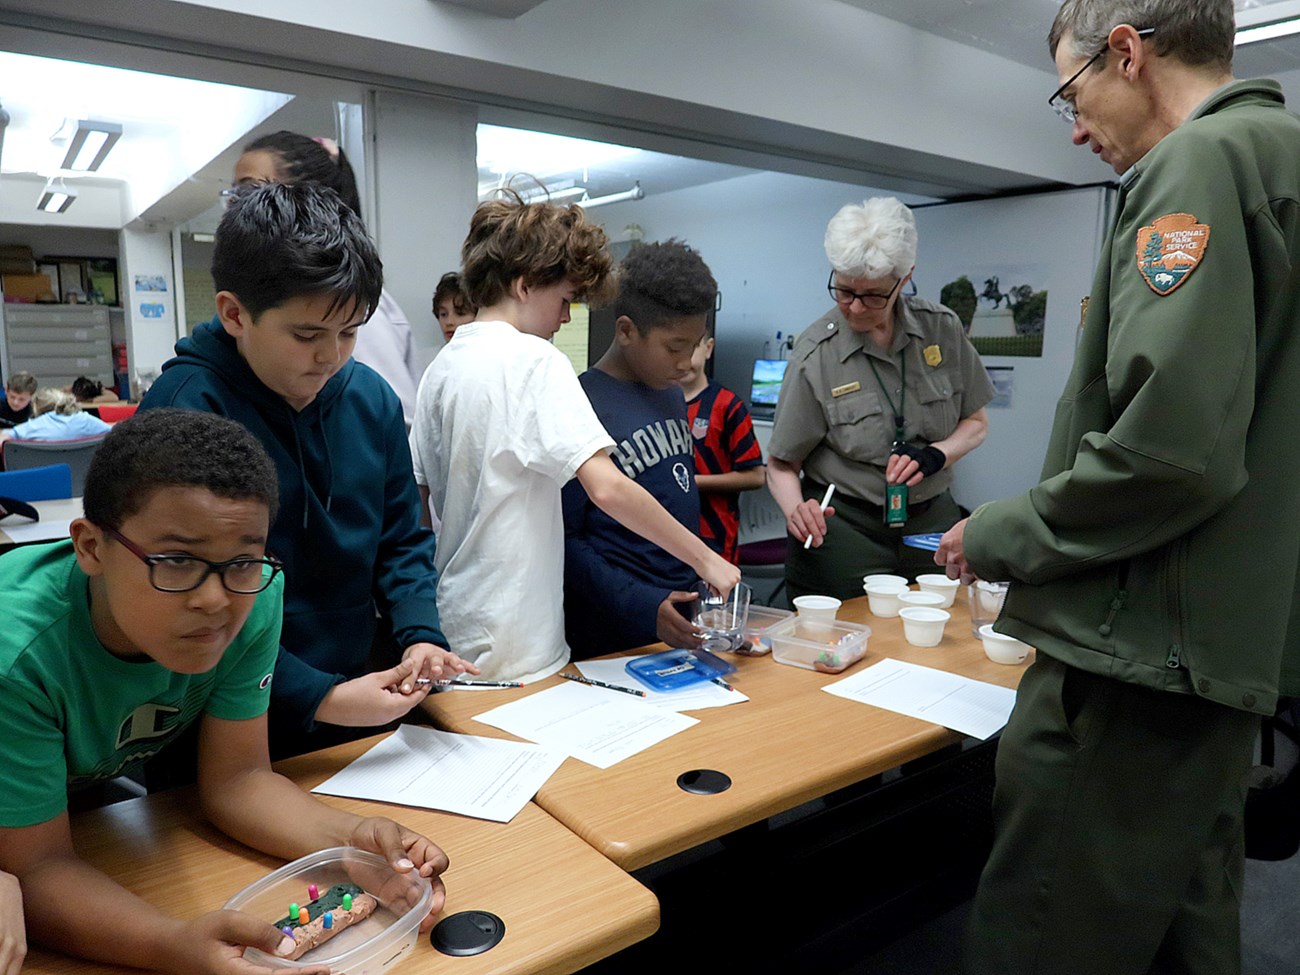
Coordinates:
x,y
816,645
762,619
367,948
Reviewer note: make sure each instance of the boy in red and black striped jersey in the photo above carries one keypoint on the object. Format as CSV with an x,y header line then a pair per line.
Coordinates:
x,y
727,456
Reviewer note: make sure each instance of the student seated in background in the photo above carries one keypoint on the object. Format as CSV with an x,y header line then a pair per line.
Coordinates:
x,y
162,610
91,391
451,306
620,592
296,276
727,456
501,424
56,416
16,407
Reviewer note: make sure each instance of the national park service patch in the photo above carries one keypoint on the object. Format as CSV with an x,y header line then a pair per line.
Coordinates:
x,y
1170,249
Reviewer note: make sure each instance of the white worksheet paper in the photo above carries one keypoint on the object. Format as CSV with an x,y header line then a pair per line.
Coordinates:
x,y
693,698
593,725
971,707
486,778
22,532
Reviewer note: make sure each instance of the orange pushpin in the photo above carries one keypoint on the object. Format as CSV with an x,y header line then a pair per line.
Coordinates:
x,y
304,918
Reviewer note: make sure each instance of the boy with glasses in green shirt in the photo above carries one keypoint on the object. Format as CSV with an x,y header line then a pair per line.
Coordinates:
x,y
162,610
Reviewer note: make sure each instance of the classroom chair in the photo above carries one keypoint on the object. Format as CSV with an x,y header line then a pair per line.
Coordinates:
x,y
37,483
22,454
762,545
112,412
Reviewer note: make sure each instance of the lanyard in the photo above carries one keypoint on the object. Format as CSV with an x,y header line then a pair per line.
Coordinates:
x,y
902,396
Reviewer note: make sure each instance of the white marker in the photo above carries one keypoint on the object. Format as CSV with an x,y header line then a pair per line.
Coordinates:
x,y
826,500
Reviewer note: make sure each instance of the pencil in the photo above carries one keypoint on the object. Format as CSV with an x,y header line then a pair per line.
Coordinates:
x,y
425,682
826,500
722,683
601,683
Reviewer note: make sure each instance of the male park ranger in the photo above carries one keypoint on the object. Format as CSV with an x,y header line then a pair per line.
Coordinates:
x,y
1155,565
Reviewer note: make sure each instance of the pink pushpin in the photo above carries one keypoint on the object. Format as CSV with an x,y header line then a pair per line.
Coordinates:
x,y
312,892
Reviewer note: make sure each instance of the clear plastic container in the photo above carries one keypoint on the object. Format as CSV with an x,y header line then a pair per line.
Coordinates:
x,y
762,619
369,947
817,645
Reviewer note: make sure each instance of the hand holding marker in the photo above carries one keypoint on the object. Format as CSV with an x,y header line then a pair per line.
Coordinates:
x,y
826,500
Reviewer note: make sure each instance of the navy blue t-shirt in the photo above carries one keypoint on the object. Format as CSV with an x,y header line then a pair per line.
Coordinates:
x,y
614,580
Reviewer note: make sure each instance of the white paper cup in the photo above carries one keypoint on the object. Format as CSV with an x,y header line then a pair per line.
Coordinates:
x,y
1002,649
817,608
941,585
901,581
923,625
928,599
882,596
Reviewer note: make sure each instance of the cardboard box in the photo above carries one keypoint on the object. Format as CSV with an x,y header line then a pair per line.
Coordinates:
x,y
28,287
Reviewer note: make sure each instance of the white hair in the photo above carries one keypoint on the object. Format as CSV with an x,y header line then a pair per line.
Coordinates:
x,y
872,239
51,399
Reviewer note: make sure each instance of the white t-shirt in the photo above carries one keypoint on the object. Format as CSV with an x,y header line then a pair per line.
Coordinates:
x,y
501,424
385,344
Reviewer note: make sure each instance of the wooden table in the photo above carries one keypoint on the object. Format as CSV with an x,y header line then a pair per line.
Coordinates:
x,y
564,905
50,528
788,744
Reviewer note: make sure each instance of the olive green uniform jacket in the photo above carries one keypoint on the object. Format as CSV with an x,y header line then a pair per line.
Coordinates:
x,y
1161,546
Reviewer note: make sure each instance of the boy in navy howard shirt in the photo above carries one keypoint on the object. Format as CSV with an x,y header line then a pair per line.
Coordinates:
x,y
621,591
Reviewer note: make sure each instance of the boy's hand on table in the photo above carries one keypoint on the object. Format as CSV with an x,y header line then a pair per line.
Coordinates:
x,y
433,663
372,699
13,936
405,850
674,628
214,943
720,574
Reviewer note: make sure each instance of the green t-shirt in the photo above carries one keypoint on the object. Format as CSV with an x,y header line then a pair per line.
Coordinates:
x,y
72,713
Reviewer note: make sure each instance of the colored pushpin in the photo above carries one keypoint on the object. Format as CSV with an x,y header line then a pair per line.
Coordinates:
x,y
293,910
329,920
303,917
288,932
347,902
312,892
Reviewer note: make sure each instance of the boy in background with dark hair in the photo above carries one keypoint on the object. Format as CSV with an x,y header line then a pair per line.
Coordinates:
x,y
296,277
451,306
727,456
619,591
162,611
16,407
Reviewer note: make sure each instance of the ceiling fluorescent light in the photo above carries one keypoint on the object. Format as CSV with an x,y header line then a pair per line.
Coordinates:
x,y
57,196
1268,32
635,193
90,144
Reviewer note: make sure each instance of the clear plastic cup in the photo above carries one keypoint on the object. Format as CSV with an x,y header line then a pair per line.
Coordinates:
x,y
986,599
721,618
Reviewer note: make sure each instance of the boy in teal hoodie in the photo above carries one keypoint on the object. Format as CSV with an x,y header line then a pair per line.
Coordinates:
x,y
296,276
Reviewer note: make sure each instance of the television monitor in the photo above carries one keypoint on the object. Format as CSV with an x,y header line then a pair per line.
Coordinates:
x,y
765,387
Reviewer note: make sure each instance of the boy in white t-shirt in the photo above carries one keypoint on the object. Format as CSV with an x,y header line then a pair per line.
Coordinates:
x,y
501,424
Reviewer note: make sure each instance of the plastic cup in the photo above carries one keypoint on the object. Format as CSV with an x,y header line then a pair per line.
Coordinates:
x,y
882,596
928,599
923,625
722,619
821,609
941,585
986,600
1003,649
885,577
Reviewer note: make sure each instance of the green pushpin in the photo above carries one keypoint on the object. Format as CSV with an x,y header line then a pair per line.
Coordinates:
x,y
293,911
347,902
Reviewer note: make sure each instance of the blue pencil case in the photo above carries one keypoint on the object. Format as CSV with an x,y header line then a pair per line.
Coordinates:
x,y
673,670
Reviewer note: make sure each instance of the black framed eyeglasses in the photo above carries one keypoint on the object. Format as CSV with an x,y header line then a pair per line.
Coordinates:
x,y
870,299
183,573
1064,107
